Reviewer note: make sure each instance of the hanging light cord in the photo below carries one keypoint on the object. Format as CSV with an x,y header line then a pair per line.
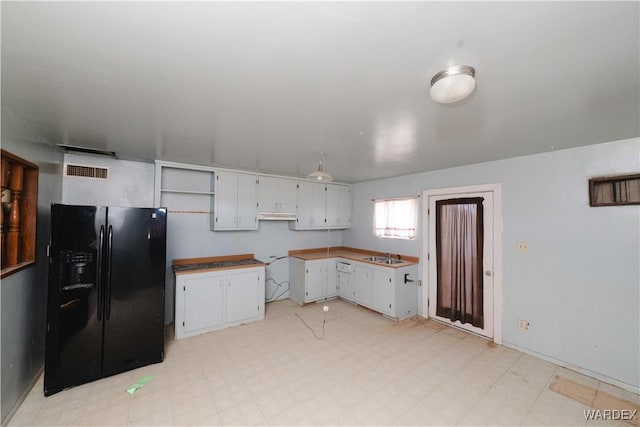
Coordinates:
x,y
324,320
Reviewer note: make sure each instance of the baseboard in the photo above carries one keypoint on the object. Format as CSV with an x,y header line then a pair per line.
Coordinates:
x,y
629,387
24,395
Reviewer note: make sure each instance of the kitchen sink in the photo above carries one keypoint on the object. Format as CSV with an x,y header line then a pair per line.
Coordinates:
x,y
382,260
375,258
389,261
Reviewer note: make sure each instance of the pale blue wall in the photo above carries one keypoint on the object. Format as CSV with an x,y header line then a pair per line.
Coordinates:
x,y
23,294
129,184
579,283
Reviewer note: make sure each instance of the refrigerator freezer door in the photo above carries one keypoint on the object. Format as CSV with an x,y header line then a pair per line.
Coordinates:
x,y
74,331
134,292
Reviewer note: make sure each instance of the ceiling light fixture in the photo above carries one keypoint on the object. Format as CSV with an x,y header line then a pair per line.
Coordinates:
x,y
320,174
453,84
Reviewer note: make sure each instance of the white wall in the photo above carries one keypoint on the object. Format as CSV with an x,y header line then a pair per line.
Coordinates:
x,y
129,184
579,283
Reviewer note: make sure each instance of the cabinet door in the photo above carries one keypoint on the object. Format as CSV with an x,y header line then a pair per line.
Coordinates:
x,y
203,301
287,194
344,207
345,285
319,205
247,207
226,200
297,280
332,279
382,290
304,209
333,205
362,283
338,206
268,194
242,296
315,280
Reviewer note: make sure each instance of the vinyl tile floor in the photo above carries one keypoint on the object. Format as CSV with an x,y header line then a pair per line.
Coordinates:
x,y
366,370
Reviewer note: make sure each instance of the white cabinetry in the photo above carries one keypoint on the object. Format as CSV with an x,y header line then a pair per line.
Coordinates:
x,y
338,206
312,280
345,285
212,300
244,299
277,195
362,276
311,206
183,188
321,206
382,291
235,202
390,291
203,297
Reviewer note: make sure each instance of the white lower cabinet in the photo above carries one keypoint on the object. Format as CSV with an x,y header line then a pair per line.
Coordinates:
x,y
390,291
345,286
382,289
244,298
203,303
312,280
363,293
212,300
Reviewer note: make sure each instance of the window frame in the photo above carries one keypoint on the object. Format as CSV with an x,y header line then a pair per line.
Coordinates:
x,y
594,182
414,199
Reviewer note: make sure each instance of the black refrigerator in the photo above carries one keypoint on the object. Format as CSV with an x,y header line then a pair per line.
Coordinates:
x,y
105,301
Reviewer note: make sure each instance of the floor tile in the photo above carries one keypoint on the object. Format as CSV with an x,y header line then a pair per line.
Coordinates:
x,y
367,370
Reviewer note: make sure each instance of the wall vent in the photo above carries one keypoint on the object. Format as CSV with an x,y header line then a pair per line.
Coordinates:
x,y
85,171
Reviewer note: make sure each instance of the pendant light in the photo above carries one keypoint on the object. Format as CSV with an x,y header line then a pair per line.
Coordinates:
x,y
453,84
320,174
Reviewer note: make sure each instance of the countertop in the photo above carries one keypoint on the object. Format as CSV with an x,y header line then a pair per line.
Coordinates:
x,y
353,254
199,265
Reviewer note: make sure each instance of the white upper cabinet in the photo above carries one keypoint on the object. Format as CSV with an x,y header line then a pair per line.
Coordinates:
x,y
235,202
338,206
183,188
322,206
311,206
277,196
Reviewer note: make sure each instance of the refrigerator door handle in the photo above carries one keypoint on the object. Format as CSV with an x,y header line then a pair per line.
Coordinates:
x,y
107,301
99,273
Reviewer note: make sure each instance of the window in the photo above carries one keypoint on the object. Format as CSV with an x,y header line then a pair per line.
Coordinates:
x,y
395,218
615,190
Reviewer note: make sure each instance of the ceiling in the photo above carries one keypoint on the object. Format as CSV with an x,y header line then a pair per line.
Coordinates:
x,y
267,86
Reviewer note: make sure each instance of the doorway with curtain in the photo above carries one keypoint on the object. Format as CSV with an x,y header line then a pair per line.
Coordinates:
x,y
462,229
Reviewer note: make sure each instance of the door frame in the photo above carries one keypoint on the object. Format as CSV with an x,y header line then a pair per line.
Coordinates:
x,y
496,189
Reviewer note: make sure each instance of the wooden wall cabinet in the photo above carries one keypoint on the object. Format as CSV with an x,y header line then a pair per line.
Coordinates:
x,y
18,214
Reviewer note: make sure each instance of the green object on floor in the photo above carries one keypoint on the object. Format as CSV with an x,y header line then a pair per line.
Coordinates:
x,y
141,382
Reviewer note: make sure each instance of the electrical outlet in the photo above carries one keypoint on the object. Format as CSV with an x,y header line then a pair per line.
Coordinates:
x,y
523,324
523,247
